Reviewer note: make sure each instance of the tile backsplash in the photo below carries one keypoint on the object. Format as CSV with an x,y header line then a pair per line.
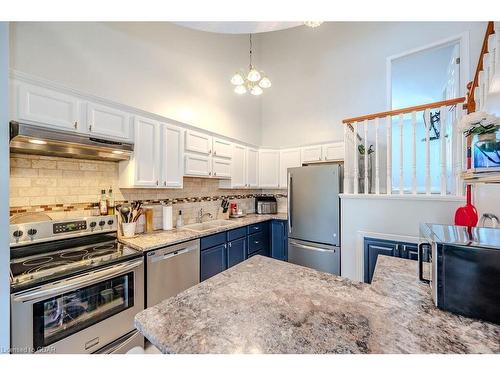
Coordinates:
x,y
64,188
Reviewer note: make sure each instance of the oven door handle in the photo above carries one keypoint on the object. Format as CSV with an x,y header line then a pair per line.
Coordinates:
x,y
53,289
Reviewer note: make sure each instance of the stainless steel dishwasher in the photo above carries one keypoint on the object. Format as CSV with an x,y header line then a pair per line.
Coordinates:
x,y
172,269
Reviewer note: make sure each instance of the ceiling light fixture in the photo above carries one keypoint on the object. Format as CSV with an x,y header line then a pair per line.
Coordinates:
x,y
313,24
253,81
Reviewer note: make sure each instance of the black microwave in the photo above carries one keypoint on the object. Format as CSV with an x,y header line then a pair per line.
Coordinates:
x,y
464,269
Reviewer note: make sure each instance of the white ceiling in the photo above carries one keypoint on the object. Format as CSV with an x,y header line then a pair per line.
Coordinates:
x,y
239,27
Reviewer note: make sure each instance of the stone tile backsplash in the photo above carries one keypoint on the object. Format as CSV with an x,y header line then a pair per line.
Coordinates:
x,y
64,188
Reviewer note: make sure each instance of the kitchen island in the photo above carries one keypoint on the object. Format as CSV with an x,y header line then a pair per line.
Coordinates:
x,y
268,306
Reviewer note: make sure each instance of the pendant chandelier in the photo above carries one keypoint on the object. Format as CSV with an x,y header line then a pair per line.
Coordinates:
x,y
254,81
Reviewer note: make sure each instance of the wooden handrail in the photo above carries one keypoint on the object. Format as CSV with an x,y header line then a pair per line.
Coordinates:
x,y
471,103
396,112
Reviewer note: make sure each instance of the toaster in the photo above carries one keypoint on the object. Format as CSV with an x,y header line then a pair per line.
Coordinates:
x,y
266,205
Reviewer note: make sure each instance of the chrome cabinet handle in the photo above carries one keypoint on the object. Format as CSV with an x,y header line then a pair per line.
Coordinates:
x,y
230,244
255,242
90,127
209,173
215,173
164,183
76,124
157,182
215,152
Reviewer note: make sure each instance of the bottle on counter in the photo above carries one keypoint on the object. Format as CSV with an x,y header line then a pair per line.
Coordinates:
x,y
111,202
180,221
103,206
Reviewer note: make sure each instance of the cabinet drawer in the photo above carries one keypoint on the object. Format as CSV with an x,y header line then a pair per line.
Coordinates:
x,y
213,240
254,228
260,252
256,242
236,233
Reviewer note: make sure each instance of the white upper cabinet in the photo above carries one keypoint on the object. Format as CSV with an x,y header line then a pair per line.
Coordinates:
x,y
269,162
172,155
46,107
221,168
198,142
197,165
238,169
252,168
312,154
108,122
288,159
222,148
333,151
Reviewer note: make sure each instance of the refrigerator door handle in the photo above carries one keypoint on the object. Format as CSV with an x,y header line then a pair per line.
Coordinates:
x,y
289,198
307,247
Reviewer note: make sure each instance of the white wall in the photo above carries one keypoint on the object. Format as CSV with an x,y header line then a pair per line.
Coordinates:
x,y
159,67
338,70
4,191
396,218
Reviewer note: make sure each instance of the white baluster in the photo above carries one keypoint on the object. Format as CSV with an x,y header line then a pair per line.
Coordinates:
x,y
459,151
427,114
401,158
414,152
481,88
442,138
377,161
367,186
355,158
347,168
486,67
388,129
477,98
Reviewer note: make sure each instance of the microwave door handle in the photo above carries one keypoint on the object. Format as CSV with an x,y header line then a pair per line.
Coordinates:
x,y
289,198
421,262
90,278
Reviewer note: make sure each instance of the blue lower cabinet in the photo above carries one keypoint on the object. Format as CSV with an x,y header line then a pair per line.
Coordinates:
x,y
374,248
213,261
279,240
236,251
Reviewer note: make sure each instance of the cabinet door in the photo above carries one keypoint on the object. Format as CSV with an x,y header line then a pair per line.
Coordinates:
x,y
238,170
333,151
311,154
221,168
46,107
222,148
198,142
269,161
236,251
213,261
172,156
374,248
252,168
197,165
278,240
288,159
146,152
107,121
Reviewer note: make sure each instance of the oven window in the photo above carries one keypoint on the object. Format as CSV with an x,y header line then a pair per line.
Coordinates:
x,y
60,316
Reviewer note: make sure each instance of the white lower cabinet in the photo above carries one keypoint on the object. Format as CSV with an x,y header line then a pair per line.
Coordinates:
x,y
289,158
172,155
197,165
108,122
269,162
333,151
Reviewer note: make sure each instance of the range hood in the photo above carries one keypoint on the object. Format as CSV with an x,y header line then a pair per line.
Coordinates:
x,y
31,139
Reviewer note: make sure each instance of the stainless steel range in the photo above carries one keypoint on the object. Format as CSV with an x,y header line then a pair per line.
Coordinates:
x,y
74,287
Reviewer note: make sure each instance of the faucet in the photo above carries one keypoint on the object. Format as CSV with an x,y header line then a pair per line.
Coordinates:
x,y
201,215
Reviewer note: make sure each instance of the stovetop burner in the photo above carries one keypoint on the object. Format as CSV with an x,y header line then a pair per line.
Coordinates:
x,y
74,254
37,261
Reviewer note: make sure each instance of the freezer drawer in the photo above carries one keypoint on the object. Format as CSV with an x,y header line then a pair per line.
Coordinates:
x,y
323,258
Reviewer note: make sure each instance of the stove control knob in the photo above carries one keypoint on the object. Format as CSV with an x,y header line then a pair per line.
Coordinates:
x,y
18,234
92,225
110,222
32,232
101,223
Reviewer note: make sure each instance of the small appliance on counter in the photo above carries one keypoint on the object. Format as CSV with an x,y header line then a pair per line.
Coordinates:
x,y
266,205
464,272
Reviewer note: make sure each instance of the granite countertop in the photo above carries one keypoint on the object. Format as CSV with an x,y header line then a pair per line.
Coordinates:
x,y
162,238
264,305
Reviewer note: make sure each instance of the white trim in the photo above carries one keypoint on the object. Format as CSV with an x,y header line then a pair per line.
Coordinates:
x,y
463,41
407,197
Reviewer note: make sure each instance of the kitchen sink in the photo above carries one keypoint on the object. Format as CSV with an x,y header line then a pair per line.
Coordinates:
x,y
208,225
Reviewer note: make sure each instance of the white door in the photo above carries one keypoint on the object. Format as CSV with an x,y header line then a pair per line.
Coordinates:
x,y
252,168
269,161
198,142
288,159
311,154
172,156
221,168
333,151
197,165
108,122
46,107
222,148
146,152
238,170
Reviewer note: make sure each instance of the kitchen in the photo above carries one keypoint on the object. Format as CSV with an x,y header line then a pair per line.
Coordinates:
x,y
171,222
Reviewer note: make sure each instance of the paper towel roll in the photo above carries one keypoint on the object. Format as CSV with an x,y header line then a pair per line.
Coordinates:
x,y
167,217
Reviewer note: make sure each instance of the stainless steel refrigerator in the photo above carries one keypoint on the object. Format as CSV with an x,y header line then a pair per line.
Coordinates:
x,y
314,216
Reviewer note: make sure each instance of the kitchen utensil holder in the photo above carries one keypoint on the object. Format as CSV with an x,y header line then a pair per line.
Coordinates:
x,y
128,229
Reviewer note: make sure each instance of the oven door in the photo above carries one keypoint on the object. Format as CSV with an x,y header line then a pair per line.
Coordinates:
x,y
79,314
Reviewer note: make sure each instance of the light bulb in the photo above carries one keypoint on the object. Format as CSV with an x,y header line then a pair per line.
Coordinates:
x,y
237,79
253,75
240,89
256,90
265,83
